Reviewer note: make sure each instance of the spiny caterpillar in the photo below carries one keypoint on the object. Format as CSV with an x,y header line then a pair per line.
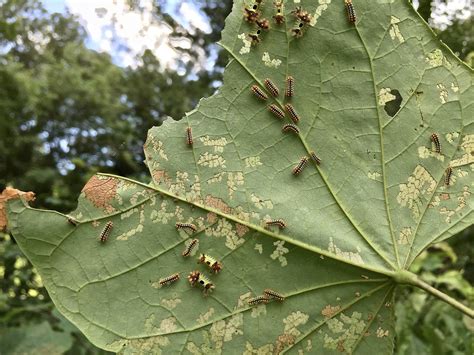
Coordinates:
x,y
189,136
187,251
315,158
251,15
264,24
297,31
435,140
258,300
186,226
292,112
271,87
276,111
290,127
350,11
212,263
259,92
304,16
290,86
255,37
447,179
273,294
169,279
72,221
196,277
279,17
276,222
301,165
104,235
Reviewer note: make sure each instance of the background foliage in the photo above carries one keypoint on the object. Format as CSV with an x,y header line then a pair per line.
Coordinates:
x,y
67,112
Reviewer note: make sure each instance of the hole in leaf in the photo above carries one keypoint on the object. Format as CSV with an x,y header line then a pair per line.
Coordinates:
x,y
392,107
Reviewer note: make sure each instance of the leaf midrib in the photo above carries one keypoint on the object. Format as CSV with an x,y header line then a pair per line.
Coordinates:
x,y
254,227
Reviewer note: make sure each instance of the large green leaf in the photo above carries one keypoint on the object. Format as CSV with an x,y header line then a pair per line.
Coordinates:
x,y
370,95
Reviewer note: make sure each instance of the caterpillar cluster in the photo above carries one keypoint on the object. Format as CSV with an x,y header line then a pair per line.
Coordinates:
x,y
195,277
303,18
252,14
278,112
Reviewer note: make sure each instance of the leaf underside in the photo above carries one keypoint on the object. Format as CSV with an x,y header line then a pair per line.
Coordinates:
x,y
369,95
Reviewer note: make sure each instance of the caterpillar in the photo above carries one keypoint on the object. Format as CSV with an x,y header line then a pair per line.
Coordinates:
x,y
301,165
259,92
189,136
298,30
264,24
304,16
251,15
276,222
447,179
195,277
435,140
350,11
271,87
255,37
169,279
72,221
290,127
292,112
187,251
279,17
213,264
290,86
276,111
273,294
104,235
315,158
186,226
257,300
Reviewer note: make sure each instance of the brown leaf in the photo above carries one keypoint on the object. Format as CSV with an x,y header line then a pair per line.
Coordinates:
x,y
8,194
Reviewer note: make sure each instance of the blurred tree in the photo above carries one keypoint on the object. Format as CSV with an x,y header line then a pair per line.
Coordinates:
x,y
68,111
459,35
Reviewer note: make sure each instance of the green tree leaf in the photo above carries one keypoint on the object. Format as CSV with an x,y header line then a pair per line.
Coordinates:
x,y
370,95
33,339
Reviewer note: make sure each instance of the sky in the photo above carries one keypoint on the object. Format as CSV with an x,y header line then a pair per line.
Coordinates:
x,y
126,34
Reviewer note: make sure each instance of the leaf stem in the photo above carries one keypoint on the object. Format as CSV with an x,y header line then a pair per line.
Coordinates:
x,y
407,277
